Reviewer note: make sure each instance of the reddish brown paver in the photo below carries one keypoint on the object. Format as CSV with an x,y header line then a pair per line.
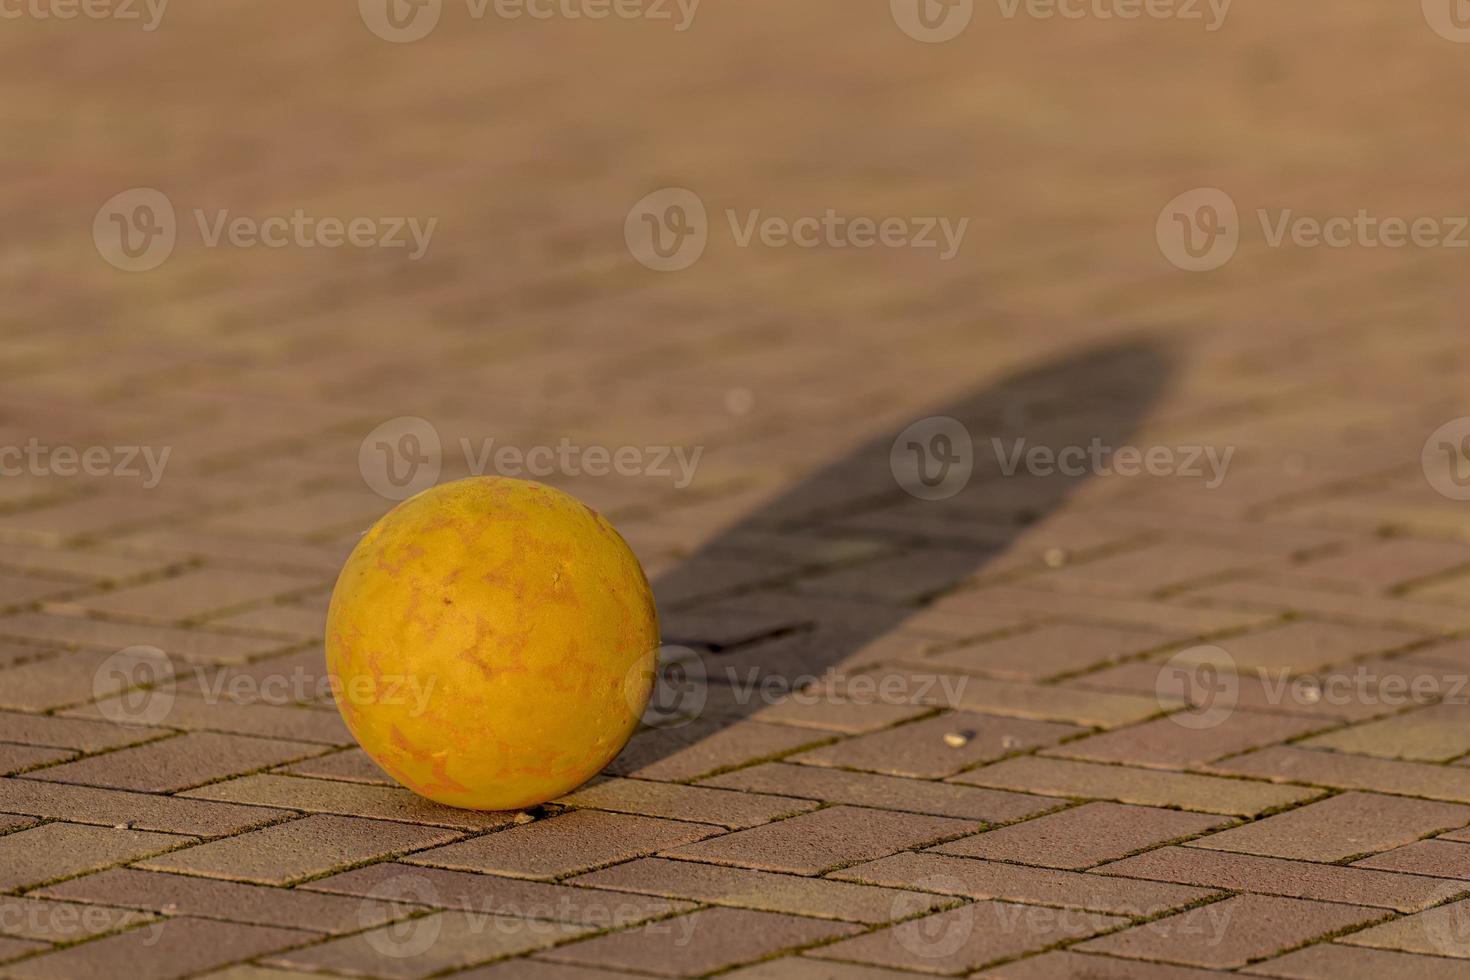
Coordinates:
x,y
1340,827
947,875
59,850
173,764
938,747
1083,836
826,839
1329,961
566,844
1356,884
886,792
173,948
298,849
700,942
1232,932
748,888
967,937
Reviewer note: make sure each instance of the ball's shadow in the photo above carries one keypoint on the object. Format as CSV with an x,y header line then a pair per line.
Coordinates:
x,y
808,584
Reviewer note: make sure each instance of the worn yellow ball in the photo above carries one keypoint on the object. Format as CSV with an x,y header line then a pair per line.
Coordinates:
x,y
492,643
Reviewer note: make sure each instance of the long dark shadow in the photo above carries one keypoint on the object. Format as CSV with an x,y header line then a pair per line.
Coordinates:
x,y
820,605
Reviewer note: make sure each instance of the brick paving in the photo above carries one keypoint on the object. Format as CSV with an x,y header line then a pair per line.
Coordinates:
x,y
1174,725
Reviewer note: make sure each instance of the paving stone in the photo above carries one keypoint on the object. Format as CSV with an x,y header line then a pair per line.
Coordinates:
x,y
1384,564
19,758
1374,612
194,593
564,844
706,746
1126,613
700,942
1328,961
968,937
208,898
1083,836
1067,965
1145,571
526,968
1050,650
173,764
1309,645
1440,931
1339,771
1166,744
1442,858
1060,777
12,949
70,733
348,799
514,898
923,750
177,948
1340,827
352,766
62,922
885,792
59,850
214,646
792,968
1230,933
698,803
298,723
139,811
746,888
289,852
1356,884
1051,702
946,875
1437,733
826,839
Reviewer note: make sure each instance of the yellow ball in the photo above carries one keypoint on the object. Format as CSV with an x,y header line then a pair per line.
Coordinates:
x,y
492,643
